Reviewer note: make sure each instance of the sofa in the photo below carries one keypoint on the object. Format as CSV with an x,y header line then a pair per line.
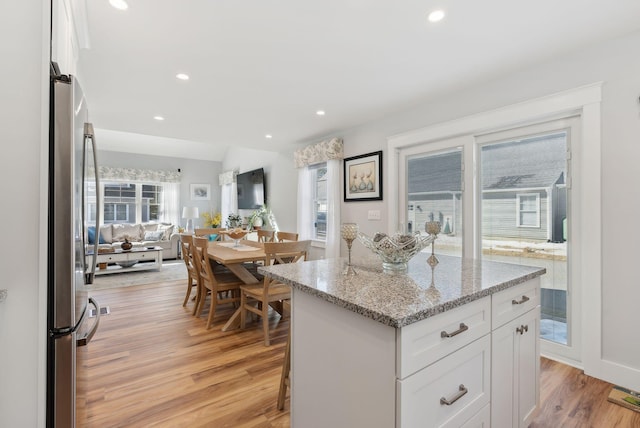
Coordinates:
x,y
140,235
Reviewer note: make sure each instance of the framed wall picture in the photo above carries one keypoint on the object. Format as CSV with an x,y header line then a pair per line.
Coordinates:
x,y
200,192
363,177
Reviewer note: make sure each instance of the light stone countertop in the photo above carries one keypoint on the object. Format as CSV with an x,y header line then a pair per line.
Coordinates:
x,y
398,300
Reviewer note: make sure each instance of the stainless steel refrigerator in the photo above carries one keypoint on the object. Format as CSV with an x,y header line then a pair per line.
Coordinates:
x,y
73,173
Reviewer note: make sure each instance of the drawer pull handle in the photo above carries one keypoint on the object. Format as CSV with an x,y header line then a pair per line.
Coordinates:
x,y
521,301
463,327
461,391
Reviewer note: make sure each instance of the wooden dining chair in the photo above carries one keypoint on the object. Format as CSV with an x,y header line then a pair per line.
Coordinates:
x,y
286,236
186,242
257,298
208,231
223,286
265,235
286,364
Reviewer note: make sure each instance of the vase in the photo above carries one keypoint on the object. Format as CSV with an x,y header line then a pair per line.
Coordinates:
x,y
126,245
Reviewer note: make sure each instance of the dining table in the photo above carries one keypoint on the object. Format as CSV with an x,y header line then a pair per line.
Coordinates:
x,y
235,256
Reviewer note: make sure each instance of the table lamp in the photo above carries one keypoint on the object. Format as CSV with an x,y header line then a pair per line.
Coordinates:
x,y
190,213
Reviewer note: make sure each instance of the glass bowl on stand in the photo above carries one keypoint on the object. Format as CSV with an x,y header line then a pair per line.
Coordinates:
x,y
396,250
235,234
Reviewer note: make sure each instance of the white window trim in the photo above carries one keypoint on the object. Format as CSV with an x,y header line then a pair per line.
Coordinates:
x,y
584,101
518,211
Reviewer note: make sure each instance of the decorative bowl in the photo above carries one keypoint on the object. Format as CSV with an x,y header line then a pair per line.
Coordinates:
x,y
396,250
235,233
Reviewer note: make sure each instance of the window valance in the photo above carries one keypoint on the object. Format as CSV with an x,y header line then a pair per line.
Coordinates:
x,y
319,152
134,174
227,177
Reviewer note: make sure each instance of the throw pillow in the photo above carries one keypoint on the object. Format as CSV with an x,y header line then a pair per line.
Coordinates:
x,y
150,227
91,231
106,234
128,231
167,229
154,235
213,237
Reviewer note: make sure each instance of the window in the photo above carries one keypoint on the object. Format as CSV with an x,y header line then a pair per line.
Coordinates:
x,y
528,207
320,201
127,202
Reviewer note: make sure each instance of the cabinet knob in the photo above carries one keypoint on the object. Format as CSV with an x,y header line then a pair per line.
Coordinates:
x,y
522,329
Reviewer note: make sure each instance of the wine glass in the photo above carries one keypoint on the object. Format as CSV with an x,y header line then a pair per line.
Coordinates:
x,y
349,232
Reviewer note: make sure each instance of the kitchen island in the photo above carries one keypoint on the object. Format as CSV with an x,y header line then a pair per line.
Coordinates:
x,y
456,345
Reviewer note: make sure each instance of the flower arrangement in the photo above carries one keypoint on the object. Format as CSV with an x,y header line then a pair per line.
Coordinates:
x,y
233,221
212,220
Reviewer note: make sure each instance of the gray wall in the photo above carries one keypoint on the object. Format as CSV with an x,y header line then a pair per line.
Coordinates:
x,y
281,179
193,172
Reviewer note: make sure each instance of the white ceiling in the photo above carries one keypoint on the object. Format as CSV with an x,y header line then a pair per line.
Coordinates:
x,y
266,66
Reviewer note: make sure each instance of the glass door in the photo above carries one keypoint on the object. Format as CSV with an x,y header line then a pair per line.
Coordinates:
x,y
524,187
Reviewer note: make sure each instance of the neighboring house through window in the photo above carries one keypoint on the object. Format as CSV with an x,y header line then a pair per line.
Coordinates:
x,y
528,207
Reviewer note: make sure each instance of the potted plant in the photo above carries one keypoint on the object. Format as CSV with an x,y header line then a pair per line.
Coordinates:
x,y
256,220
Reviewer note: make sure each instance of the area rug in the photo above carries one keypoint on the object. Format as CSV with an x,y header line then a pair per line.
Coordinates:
x,y
625,398
172,270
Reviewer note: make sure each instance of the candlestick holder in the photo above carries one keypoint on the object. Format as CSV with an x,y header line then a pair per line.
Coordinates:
x,y
349,232
433,228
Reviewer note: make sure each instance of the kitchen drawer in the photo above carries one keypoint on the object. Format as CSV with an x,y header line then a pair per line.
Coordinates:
x,y
513,302
482,419
464,374
145,255
421,343
115,257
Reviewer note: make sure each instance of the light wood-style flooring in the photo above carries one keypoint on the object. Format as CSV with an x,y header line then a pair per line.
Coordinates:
x,y
152,364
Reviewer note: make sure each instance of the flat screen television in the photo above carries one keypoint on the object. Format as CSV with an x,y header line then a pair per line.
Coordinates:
x,y
251,189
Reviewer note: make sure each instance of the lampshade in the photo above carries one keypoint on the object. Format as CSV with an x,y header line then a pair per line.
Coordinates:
x,y
190,212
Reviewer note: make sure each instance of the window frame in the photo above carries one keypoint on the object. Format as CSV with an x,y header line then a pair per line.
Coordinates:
x,y
315,200
137,201
519,210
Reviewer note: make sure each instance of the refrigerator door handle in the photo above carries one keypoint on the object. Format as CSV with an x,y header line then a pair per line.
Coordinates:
x,y
87,337
89,134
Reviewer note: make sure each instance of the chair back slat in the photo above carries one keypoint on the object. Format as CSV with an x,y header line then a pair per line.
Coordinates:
x,y
286,252
286,236
265,235
210,231
201,257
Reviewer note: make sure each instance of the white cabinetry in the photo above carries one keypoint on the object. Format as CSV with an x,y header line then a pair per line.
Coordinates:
x,y
460,368
515,354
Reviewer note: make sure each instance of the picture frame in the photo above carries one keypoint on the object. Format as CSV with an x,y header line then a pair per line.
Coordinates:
x,y
200,192
363,177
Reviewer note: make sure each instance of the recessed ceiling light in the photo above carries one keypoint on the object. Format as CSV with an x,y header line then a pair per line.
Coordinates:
x,y
268,136
158,118
320,112
182,76
436,16
119,4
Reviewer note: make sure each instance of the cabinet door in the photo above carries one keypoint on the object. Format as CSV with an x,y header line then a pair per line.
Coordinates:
x,y
528,356
515,370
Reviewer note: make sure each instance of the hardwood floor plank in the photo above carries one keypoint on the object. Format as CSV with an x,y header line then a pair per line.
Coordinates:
x,y
152,364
